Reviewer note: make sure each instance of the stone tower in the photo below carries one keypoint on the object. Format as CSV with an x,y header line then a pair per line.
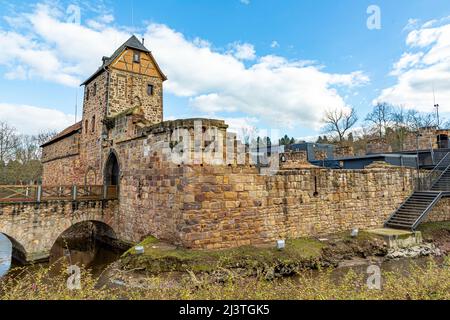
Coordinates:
x,y
129,82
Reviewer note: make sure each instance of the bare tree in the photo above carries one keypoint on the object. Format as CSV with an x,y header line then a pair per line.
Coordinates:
x,y
339,122
9,141
417,120
380,117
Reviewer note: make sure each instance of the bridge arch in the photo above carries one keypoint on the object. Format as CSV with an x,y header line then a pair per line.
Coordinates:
x,y
18,250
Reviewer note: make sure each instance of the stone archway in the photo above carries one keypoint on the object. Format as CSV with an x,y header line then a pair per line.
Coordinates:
x,y
18,251
112,170
90,178
81,241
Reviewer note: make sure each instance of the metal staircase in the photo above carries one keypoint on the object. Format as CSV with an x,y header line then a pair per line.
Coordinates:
x,y
429,191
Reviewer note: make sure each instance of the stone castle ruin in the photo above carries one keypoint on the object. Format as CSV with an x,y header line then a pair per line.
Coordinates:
x,y
191,182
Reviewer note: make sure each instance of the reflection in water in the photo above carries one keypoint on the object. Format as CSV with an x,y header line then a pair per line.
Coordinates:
x,y
5,254
90,253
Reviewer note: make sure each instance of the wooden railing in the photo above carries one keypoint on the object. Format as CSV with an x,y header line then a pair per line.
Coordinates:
x,y
39,193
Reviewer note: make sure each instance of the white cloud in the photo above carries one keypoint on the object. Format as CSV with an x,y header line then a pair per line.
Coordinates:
x,y
245,1
426,67
41,44
274,44
412,23
32,120
280,91
283,92
243,51
406,61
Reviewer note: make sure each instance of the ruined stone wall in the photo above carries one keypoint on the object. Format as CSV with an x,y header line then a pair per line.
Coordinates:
x,y
36,226
428,139
343,151
295,160
378,145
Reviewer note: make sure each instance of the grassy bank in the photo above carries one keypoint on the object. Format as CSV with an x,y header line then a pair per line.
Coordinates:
x,y
298,255
430,282
159,257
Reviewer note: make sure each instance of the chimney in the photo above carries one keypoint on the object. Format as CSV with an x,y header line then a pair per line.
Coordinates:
x,y
143,41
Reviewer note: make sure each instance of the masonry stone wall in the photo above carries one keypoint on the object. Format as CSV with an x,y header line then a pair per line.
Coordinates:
x,y
232,206
129,91
378,145
66,147
343,151
441,212
64,172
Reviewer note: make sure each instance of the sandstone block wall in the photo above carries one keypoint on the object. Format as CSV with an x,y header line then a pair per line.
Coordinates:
x,y
129,90
232,206
441,212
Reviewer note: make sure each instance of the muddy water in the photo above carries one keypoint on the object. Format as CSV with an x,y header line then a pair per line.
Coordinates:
x,y
89,252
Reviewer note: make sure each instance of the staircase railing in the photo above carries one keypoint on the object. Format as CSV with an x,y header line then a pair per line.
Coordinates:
x,y
426,211
427,182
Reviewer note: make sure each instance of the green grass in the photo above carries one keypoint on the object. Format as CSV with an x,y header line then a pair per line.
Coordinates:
x,y
419,283
429,227
160,258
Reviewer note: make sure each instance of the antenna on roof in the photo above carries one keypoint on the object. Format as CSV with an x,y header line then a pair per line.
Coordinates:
x,y
436,106
76,104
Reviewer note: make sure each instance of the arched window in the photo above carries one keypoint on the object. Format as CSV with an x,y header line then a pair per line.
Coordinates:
x,y
112,171
86,126
93,123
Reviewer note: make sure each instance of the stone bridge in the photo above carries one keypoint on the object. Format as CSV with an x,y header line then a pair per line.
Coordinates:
x,y
34,226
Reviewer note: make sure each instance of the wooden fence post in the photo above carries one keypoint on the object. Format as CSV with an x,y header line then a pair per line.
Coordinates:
x,y
39,193
74,193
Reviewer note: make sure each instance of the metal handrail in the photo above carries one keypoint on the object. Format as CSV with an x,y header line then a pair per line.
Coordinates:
x,y
427,210
439,163
427,182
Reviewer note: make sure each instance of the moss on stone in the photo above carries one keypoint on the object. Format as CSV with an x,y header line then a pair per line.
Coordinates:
x,y
158,257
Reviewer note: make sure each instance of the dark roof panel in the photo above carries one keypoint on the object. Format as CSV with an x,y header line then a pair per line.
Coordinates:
x,y
66,132
132,43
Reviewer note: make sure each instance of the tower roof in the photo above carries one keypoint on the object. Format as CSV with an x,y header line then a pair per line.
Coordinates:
x,y
132,43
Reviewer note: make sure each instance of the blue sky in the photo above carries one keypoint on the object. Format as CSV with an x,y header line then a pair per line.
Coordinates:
x,y
270,64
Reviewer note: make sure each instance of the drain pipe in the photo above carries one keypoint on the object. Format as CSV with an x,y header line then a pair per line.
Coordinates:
x,y
104,128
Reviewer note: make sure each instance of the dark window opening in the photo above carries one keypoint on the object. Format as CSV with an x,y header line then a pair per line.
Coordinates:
x,y
93,124
86,126
150,89
87,94
442,141
136,57
95,89
112,171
